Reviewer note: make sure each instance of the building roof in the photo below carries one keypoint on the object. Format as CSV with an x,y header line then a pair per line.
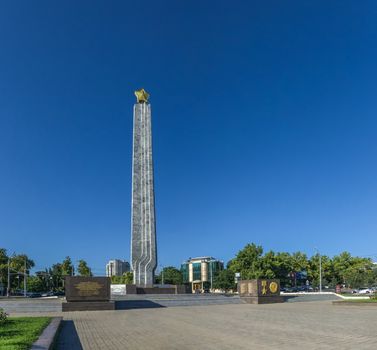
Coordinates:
x,y
200,258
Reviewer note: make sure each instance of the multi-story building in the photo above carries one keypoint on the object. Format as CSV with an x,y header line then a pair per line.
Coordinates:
x,y
117,267
199,272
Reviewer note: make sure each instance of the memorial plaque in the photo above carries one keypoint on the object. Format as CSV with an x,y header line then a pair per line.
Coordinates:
x,y
268,287
87,293
260,291
79,288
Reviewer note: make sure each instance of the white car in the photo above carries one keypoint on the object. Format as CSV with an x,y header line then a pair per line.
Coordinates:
x,y
365,291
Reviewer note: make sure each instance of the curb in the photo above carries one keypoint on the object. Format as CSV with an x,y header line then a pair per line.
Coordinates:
x,y
47,338
352,303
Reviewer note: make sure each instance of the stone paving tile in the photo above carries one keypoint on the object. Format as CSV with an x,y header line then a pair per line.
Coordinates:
x,y
315,325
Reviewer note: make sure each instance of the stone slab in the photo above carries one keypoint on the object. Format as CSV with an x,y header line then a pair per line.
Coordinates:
x,y
263,300
88,306
79,288
47,339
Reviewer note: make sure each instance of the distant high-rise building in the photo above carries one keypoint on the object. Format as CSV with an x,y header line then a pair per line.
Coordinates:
x,y
117,267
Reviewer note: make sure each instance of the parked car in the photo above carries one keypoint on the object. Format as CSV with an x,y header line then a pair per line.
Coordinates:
x,y
364,290
33,295
17,293
59,293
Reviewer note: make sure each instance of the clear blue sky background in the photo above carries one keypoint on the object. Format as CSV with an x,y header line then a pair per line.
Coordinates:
x,y
264,121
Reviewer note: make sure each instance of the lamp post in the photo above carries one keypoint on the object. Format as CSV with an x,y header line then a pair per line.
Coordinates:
x,y
25,278
8,287
320,270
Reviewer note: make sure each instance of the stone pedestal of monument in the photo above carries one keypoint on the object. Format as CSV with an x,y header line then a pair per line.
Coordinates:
x,y
87,293
260,291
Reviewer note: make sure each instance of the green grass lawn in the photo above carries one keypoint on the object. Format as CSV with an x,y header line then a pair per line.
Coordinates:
x,y
363,300
19,333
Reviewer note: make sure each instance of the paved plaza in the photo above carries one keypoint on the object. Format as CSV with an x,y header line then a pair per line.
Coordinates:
x,y
315,325
292,325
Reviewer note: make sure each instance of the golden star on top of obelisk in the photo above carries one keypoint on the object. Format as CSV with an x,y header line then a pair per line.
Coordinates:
x,y
141,96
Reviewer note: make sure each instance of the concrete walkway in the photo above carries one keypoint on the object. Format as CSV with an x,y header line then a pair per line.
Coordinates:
x,y
309,326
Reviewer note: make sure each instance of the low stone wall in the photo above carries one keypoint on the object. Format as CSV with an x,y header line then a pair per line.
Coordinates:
x,y
126,289
164,290
123,289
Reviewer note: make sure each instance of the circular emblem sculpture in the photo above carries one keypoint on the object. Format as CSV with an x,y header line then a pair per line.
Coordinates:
x,y
273,287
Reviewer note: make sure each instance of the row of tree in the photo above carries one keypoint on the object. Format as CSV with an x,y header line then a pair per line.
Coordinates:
x,y
297,268
250,262
291,269
15,267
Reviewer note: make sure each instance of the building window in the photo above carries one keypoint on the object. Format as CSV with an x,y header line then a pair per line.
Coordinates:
x,y
197,273
185,272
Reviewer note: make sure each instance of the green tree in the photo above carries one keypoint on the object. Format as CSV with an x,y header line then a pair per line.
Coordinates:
x,y
341,263
83,269
3,267
224,280
67,267
55,272
171,275
269,265
128,277
45,280
117,279
248,262
277,265
35,284
298,263
360,273
326,267
352,271
19,265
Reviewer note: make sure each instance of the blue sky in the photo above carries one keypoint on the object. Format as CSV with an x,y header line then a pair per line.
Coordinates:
x,y
264,122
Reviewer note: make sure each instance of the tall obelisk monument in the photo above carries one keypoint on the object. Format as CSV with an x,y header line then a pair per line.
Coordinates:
x,y
143,235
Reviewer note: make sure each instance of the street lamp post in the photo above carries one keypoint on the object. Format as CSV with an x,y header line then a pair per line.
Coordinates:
x,y
320,270
25,278
8,287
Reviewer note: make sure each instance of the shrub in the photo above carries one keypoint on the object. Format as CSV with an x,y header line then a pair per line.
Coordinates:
x,y
3,316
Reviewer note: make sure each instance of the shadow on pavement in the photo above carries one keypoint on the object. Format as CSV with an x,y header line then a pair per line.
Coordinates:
x,y
136,304
68,338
